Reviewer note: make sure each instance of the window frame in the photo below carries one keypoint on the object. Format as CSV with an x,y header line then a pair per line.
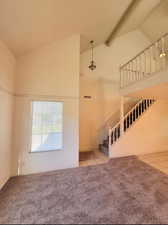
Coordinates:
x,y
31,126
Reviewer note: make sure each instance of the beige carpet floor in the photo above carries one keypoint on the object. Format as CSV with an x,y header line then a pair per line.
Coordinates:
x,y
122,191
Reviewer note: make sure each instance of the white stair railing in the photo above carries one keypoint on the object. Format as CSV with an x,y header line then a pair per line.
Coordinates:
x,y
151,60
115,132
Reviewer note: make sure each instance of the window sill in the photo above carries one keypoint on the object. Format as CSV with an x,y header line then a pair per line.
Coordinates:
x,y
56,150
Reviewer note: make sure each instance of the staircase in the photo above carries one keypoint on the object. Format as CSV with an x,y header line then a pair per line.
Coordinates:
x,y
145,77
123,125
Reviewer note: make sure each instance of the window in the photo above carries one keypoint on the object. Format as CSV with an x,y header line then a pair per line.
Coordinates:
x,y
47,126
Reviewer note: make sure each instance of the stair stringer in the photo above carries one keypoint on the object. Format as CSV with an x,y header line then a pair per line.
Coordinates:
x,y
148,134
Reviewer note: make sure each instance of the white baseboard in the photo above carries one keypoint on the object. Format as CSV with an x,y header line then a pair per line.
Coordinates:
x,y
3,182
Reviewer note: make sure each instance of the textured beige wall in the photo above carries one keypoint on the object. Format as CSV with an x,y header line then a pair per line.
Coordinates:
x,y
7,68
49,73
91,113
149,134
103,85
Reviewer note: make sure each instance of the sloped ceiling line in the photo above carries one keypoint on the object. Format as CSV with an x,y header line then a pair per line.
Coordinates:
x,y
122,20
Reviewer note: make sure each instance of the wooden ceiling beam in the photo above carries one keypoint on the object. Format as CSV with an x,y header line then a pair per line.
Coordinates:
x,y
131,7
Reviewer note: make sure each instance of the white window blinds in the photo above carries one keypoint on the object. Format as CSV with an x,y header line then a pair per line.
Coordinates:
x,y
47,126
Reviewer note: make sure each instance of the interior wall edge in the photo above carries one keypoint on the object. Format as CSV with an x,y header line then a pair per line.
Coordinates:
x,y
2,184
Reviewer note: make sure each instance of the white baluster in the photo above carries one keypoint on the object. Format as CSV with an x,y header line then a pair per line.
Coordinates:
x,y
132,74
121,78
140,66
157,56
165,45
163,58
133,70
136,70
129,69
150,60
144,63
127,74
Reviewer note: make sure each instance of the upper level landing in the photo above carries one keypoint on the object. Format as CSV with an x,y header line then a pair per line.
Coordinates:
x,y
146,75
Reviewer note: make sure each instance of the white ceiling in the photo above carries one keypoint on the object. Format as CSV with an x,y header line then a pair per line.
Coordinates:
x,y
156,24
28,24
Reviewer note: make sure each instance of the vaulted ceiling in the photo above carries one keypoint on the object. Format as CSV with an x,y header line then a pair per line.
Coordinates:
x,y
28,24
156,24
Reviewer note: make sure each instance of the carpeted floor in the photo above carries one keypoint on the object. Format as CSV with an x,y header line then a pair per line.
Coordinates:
x,y
123,191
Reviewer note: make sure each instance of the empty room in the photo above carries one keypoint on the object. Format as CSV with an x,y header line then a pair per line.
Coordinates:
x,y
84,112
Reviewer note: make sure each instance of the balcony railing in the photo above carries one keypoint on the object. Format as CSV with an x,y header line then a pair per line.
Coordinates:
x,y
148,62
